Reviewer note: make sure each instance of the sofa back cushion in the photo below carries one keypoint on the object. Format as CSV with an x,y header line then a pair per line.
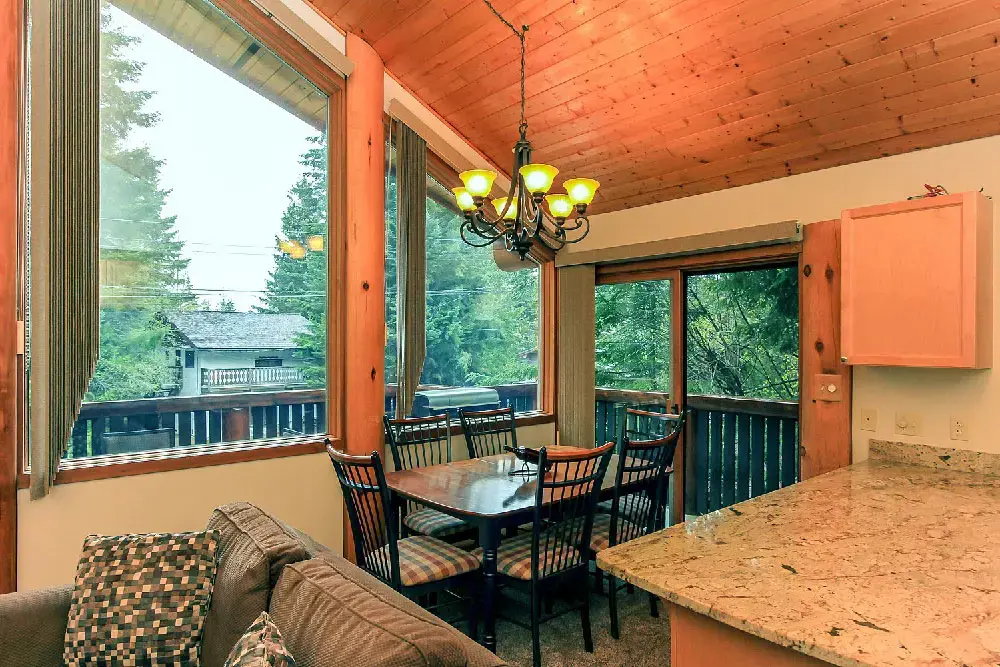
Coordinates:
x,y
329,619
253,547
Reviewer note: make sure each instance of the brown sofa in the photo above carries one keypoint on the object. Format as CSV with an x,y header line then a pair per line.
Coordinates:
x,y
330,612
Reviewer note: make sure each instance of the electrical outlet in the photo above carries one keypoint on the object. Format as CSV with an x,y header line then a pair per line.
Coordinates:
x,y
909,423
869,420
958,428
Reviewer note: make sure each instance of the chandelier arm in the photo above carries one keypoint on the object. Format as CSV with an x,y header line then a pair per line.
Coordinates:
x,y
486,240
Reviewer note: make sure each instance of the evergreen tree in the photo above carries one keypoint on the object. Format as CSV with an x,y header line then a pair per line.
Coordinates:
x,y
299,285
142,270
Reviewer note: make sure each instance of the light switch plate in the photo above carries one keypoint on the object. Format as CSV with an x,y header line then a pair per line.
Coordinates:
x,y
908,423
828,387
869,420
958,428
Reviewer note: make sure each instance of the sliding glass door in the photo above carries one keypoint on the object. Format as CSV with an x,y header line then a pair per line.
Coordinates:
x,y
638,349
742,366
721,345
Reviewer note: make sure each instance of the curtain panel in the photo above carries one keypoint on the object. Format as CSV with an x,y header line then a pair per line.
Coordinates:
x,y
64,236
411,263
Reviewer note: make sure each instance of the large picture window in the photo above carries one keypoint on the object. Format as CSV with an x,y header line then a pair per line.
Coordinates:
x,y
213,237
482,322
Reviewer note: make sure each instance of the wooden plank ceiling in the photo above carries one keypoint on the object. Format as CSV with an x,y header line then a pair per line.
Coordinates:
x,y
660,99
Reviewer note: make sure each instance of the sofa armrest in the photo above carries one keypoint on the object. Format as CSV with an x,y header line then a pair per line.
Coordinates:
x,y
33,627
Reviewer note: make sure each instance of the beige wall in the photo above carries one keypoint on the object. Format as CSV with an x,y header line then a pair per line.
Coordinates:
x,y
935,395
301,490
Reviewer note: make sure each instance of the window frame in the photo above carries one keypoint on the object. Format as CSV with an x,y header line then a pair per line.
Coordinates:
x,y
263,28
443,172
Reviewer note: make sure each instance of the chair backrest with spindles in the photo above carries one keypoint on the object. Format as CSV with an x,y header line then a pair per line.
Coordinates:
x,y
368,502
642,483
568,488
489,431
417,442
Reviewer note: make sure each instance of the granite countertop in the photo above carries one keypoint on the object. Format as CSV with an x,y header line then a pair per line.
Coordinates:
x,y
887,562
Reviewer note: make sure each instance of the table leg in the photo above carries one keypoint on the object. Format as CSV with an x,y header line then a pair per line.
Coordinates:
x,y
489,540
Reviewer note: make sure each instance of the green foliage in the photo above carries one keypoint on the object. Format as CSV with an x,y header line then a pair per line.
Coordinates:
x,y
633,343
134,371
742,334
300,285
142,268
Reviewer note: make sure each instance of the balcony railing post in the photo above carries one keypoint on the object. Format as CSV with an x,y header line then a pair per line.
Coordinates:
x,y
235,424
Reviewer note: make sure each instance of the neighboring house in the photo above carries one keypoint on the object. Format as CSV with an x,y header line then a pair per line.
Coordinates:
x,y
218,352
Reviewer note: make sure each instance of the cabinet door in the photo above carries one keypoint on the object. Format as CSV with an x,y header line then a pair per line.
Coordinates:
x,y
918,283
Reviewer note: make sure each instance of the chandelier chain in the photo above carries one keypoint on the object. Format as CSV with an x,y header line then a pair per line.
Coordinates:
x,y
520,36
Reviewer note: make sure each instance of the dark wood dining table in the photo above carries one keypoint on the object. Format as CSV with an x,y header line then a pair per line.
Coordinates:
x,y
482,493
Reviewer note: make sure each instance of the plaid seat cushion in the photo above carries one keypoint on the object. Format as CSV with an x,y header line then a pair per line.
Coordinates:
x,y
429,521
600,538
514,556
423,559
632,507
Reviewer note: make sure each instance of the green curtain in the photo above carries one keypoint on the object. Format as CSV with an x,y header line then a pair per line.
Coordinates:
x,y
411,263
65,335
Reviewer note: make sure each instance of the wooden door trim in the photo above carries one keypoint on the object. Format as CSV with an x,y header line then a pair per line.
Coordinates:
x,y
678,331
725,260
824,426
11,54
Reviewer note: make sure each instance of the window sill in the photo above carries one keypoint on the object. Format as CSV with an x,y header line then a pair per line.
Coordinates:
x,y
533,418
128,465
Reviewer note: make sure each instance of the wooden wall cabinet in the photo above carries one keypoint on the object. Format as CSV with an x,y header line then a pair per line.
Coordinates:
x,y
918,283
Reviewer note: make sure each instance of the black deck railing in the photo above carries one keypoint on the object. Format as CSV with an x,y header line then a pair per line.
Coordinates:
x,y
735,448
116,427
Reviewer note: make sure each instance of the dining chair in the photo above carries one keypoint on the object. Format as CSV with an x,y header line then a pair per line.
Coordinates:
x,y
415,566
642,425
418,442
639,424
488,432
638,505
555,553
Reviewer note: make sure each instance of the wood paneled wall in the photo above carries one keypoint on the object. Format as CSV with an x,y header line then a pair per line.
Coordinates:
x,y
575,356
11,25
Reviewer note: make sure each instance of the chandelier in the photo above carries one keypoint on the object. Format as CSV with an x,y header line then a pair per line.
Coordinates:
x,y
520,219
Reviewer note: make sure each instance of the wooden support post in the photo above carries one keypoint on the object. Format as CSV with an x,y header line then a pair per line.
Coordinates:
x,y
364,275
11,28
825,420
236,424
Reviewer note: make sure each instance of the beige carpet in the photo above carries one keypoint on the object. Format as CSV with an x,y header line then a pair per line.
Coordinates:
x,y
645,641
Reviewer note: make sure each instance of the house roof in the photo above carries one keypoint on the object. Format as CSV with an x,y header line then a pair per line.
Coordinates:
x,y
214,330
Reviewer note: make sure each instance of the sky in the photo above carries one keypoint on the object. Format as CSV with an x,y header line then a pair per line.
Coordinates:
x,y
230,157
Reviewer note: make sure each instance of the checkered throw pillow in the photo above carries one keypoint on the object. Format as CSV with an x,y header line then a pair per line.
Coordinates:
x,y
141,600
260,646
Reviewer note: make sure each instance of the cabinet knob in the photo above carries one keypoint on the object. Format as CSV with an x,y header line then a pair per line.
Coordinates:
x,y
843,360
